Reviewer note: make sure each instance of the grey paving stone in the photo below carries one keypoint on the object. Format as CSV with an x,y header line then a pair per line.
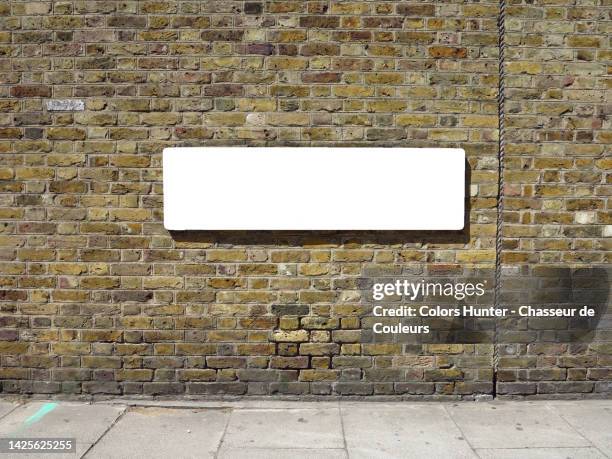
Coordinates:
x,y
250,453
285,404
151,432
230,404
541,453
514,425
593,420
82,421
504,430
287,428
6,407
404,431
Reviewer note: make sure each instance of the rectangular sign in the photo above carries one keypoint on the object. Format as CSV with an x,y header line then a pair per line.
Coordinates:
x,y
305,188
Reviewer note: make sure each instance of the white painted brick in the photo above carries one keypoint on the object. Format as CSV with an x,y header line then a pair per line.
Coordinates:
x,y
65,105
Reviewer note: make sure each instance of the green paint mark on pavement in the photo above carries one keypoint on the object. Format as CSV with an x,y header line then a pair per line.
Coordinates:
x,y
42,412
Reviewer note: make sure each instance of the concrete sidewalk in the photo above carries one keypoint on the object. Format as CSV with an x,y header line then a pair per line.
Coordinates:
x,y
279,429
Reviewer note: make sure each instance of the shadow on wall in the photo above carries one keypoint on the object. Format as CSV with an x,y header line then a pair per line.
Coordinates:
x,y
543,290
554,288
300,238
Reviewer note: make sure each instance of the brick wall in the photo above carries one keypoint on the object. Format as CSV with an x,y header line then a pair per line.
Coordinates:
x,y
97,298
557,214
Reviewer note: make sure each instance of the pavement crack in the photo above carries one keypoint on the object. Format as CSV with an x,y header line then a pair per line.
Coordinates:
x,y
342,428
227,421
450,415
574,428
112,424
11,410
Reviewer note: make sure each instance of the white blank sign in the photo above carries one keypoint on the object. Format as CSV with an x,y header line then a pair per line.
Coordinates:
x,y
304,188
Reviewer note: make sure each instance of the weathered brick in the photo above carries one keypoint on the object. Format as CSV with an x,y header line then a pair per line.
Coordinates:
x,y
416,38
320,22
222,35
129,22
31,91
415,10
97,292
447,52
66,133
320,49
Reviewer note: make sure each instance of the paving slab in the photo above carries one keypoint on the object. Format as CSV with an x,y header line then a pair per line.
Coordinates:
x,y
291,428
83,421
593,421
541,453
152,432
281,453
285,404
288,429
403,431
7,407
234,404
514,425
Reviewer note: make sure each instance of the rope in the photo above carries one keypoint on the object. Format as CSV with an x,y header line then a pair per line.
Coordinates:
x,y
501,98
